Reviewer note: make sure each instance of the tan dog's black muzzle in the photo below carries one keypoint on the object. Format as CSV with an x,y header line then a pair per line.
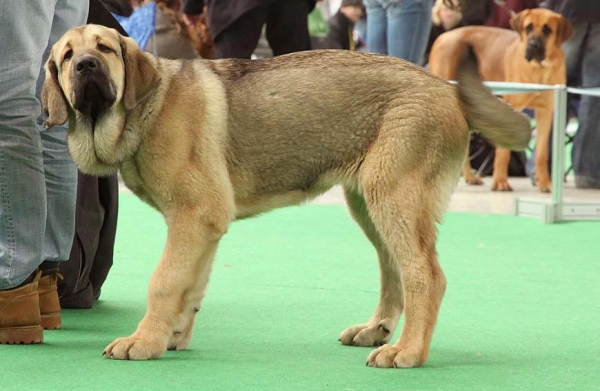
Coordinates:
x,y
93,89
535,50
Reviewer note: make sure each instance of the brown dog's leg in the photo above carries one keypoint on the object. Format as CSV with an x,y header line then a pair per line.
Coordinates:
x,y
470,177
543,118
191,242
405,217
380,328
500,177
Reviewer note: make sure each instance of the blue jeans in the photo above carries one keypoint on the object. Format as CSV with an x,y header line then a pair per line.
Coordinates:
x,y
38,180
583,68
399,28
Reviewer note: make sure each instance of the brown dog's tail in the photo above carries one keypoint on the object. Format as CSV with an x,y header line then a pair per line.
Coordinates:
x,y
494,119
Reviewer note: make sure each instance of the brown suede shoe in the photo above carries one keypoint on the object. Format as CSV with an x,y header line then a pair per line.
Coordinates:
x,y
20,321
49,304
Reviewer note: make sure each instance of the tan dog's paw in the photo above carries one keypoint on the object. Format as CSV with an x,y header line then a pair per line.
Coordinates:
x,y
365,335
501,185
474,180
134,348
390,356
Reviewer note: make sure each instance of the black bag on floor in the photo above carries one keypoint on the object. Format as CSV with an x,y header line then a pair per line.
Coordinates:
x,y
482,152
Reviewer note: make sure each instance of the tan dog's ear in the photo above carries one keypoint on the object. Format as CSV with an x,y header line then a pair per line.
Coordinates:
x,y
141,77
565,31
54,102
516,21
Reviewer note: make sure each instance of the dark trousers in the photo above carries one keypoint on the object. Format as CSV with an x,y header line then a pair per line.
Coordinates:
x,y
583,56
287,30
95,231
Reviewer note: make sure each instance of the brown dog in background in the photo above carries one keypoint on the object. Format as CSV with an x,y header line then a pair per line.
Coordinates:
x,y
530,54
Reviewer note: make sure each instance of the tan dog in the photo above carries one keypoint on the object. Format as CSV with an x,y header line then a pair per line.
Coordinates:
x,y
209,142
530,54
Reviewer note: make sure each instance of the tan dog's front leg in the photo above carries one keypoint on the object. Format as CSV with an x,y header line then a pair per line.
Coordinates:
x,y
191,244
501,161
184,327
543,117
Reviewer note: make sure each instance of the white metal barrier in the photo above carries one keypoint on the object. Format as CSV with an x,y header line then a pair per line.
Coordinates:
x,y
554,209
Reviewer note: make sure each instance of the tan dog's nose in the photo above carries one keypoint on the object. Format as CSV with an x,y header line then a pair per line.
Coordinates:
x,y
86,65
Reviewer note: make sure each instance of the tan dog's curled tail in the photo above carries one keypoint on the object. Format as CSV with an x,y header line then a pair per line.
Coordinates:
x,y
494,119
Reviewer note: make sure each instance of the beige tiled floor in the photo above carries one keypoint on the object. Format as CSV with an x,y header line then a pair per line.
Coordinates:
x,y
479,199
482,200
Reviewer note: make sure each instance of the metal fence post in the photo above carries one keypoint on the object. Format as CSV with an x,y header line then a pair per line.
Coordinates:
x,y
558,150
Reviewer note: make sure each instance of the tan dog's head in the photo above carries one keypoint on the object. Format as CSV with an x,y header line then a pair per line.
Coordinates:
x,y
90,69
542,30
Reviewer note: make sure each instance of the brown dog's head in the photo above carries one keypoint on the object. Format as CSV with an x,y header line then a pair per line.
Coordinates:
x,y
542,30
90,69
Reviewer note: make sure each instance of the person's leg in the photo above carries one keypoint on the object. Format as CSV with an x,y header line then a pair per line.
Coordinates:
x,y
25,31
409,24
61,179
60,171
573,53
287,26
28,160
376,27
240,39
586,145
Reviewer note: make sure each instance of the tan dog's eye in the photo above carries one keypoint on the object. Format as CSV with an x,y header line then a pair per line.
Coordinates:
x,y
104,48
546,30
529,28
68,55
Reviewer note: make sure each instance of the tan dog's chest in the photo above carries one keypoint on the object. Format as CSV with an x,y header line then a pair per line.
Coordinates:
x,y
133,181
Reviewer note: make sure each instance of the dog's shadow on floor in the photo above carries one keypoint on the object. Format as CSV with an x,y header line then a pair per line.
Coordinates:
x,y
450,358
104,317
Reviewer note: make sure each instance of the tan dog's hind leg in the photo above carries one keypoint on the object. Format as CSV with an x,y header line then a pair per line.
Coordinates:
x,y
500,176
404,200
470,177
380,328
405,217
191,238
543,118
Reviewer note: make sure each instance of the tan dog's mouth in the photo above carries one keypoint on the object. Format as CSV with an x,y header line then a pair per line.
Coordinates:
x,y
535,50
93,91
92,98
539,58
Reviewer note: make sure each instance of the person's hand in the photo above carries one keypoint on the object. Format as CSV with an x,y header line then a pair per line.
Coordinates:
x,y
191,20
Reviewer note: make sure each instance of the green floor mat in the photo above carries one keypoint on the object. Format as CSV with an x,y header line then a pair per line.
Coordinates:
x,y
522,310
